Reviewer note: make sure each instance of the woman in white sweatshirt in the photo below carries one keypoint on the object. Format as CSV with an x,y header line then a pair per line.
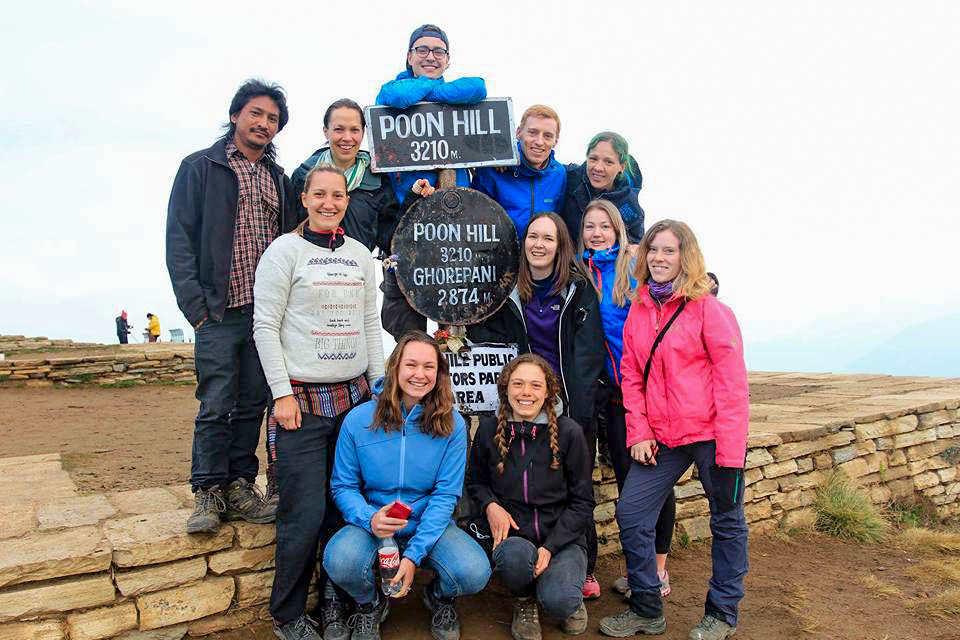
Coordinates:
x,y
317,331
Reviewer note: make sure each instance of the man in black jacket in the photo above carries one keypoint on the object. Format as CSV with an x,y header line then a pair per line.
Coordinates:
x,y
227,204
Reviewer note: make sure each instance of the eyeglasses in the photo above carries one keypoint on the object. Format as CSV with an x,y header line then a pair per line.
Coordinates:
x,y
438,52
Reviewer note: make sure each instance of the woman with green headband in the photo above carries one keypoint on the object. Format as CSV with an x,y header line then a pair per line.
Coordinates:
x,y
611,173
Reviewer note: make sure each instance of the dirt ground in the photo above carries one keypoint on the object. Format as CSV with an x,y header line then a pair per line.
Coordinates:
x,y
806,587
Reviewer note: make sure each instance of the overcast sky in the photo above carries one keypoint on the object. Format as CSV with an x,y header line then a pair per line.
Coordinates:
x,y
812,146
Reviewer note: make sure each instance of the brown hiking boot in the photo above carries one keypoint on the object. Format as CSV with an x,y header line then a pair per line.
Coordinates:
x,y
208,507
245,502
576,623
526,621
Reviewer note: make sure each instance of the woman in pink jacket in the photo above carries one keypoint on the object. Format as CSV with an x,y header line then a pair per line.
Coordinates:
x,y
687,401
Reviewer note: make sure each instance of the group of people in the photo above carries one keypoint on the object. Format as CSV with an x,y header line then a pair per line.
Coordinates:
x,y
124,328
616,326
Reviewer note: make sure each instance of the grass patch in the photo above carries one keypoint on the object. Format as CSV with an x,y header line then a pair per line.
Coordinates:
x,y
682,539
945,573
944,605
916,511
844,511
929,540
795,603
879,588
121,384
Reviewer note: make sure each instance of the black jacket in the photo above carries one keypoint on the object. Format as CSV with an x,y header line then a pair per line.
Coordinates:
x,y
372,214
579,193
552,507
201,218
581,343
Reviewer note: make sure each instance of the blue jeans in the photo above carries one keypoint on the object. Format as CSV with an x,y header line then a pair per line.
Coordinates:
x,y
559,588
461,565
644,492
233,394
306,518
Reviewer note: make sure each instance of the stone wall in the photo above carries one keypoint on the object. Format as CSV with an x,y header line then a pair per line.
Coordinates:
x,y
128,364
25,343
897,436
120,565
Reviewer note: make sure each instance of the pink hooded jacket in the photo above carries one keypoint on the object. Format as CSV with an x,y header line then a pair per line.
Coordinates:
x,y
697,389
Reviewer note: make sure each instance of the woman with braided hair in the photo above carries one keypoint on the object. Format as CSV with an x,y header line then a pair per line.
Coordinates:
x,y
529,473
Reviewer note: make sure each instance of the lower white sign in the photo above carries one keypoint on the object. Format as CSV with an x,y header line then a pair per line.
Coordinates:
x,y
474,374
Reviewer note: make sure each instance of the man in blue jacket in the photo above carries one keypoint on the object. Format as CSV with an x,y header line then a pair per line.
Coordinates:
x,y
428,56
537,183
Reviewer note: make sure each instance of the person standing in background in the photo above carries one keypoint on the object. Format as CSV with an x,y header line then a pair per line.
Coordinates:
x,y
123,327
153,327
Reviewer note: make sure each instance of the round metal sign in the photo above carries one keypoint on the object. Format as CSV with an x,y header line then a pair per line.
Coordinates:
x,y
457,256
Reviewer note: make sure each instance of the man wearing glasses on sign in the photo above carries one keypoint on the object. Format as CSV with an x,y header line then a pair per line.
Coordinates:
x,y
428,56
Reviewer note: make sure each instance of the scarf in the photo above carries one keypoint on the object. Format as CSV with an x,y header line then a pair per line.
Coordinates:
x,y
355,175
327,239
660,291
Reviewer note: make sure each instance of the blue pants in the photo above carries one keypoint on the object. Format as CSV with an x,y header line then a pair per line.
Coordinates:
x,y
559,588
233,394
643,495
461,565
306,518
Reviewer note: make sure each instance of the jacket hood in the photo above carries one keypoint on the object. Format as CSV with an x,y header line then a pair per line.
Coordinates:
x,y
602,257
370,181
412,418
524,169
618,193
378,385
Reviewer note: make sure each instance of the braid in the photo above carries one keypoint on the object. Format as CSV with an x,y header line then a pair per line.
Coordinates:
x,y
500,438
554,436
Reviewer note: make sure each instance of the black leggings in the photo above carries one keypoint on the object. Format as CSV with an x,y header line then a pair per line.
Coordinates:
x,y
614,420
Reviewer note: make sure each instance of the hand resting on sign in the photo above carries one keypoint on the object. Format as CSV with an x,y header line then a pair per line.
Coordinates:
x,y
423,188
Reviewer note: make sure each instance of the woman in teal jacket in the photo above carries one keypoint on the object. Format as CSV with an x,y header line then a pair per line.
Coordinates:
x,y
408,445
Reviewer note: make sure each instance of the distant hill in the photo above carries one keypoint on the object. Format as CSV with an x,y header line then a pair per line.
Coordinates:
x,y
930,348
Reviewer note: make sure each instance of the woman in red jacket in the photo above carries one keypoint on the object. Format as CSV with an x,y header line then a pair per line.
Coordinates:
x,y
687,401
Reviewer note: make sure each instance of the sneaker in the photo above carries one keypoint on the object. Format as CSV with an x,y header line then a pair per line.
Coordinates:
x,y
576,624
526,622
628,623
664,583
444,624
245,502
297,629
591,588
272,495
333,616
365,623
208,505
710,628
620,585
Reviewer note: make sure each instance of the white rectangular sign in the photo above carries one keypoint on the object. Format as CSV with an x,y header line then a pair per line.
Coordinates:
x,y
474,375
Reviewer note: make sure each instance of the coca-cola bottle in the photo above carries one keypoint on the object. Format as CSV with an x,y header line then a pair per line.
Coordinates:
x,y
389,555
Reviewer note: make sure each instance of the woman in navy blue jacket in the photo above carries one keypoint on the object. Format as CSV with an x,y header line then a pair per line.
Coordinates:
x,y
611,173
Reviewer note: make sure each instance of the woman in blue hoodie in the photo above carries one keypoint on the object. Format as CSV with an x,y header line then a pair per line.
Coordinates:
x,y
600,255
408,445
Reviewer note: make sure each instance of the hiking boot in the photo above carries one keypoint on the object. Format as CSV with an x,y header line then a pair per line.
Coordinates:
x,y
297,629
591,588
245,502
333,616
576,623
444,624
208,506
710,628
628,623
272,495
526,623
664,583
366,621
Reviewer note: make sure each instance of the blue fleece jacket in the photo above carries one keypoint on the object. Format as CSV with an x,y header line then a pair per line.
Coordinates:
x,y
603,269
373,468
406,90
523,190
